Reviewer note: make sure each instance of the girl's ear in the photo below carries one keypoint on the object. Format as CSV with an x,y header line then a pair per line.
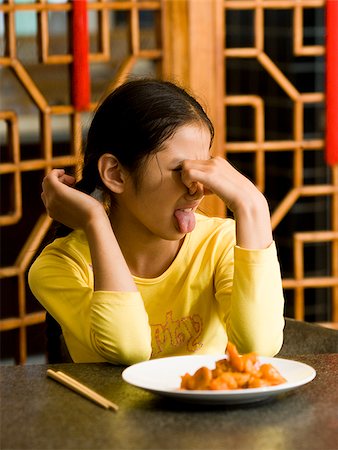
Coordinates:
x,y
111,173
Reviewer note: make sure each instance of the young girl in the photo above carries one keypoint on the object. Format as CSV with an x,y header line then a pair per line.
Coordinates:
x,y
141,274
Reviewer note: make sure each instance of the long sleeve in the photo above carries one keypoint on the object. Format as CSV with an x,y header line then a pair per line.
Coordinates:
x,y
110,326
253,306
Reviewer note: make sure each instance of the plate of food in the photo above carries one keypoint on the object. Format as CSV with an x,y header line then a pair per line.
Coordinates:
x,y
219,379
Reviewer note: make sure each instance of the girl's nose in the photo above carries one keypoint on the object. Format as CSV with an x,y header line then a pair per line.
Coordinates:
x,y
196,190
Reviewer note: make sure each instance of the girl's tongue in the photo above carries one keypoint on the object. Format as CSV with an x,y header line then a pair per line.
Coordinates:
x,y
185,219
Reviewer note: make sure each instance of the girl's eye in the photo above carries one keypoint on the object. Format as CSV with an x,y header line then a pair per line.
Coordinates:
x,y
177,169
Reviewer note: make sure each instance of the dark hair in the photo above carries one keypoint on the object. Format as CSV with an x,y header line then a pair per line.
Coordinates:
x,y
132,122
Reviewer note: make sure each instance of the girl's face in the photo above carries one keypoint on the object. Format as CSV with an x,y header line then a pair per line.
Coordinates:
x,y
162,206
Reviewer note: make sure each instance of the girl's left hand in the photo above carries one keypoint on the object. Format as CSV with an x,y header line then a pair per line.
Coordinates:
x,y
218,176
239,194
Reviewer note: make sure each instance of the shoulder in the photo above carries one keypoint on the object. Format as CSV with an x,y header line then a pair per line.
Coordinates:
x,y
215,226
74,243
71,250
213,235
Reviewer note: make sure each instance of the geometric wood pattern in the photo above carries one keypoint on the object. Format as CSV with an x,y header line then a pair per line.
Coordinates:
x,y
138,47
296,142
181,40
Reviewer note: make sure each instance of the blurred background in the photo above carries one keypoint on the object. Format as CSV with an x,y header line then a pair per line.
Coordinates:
x,y
257,67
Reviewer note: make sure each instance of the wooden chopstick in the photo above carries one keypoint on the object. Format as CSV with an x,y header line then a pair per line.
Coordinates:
x,y
81,389
105,402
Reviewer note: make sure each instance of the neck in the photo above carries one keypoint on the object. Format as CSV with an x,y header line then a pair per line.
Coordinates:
x,y
154,261
147,256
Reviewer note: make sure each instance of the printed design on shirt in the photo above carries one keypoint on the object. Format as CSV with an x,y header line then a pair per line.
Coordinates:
x,y
184,332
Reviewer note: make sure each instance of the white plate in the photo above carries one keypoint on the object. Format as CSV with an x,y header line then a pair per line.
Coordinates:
x,y
163,377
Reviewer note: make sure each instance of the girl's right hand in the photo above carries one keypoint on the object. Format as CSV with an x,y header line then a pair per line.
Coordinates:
x,y
67,205
75,209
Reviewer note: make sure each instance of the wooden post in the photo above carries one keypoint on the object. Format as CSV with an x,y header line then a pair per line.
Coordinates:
x,y
193,43
80,47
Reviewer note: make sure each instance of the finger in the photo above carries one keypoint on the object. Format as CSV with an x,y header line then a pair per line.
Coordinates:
x,y
52,175
197,163
192,188
67,179
59,175
196,188
57,172
192,176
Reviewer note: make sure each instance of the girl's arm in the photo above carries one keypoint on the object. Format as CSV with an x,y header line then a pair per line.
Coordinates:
x,y
109,323
78,210
98,326
253,302
248,288
250,208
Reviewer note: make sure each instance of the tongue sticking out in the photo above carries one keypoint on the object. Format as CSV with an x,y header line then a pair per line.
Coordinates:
x,y
185,219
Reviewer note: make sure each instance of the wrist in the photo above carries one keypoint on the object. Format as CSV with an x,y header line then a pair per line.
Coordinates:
x,y
97,221
253,224
251,206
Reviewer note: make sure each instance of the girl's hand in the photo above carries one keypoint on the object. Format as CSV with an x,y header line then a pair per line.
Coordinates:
x,y
240,195
76,210
67,205
218,176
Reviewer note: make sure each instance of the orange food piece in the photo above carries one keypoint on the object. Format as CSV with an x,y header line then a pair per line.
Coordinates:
x,y
234,372
271,374
199,381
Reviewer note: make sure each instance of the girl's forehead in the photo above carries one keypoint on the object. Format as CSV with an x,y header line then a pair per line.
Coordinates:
x,y
188,142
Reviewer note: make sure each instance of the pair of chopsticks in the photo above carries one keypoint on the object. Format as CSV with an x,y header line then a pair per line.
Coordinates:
x,y
81,389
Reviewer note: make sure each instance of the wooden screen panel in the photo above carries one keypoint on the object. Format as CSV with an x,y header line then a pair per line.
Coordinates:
x,y
41,130
296,141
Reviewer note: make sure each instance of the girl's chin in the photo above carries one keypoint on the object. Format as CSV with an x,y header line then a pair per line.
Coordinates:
x,y
173,233
175,236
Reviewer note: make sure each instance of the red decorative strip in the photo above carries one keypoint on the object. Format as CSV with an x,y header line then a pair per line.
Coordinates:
x,y
80,73
332,82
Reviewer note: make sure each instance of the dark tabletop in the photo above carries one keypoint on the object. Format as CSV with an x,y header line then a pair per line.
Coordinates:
x,y
39,413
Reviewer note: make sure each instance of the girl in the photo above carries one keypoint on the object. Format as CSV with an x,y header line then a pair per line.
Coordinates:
x,y
141,274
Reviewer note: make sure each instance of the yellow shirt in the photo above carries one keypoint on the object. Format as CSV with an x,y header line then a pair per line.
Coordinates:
x,y
213,290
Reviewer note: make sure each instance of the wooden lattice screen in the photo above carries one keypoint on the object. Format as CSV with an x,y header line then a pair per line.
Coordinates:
x,y
125,38
289,17
208,45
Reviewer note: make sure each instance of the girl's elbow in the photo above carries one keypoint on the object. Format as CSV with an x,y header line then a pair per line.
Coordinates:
x,y
123,352
269,345
128,358
132,354
270,348
135,357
